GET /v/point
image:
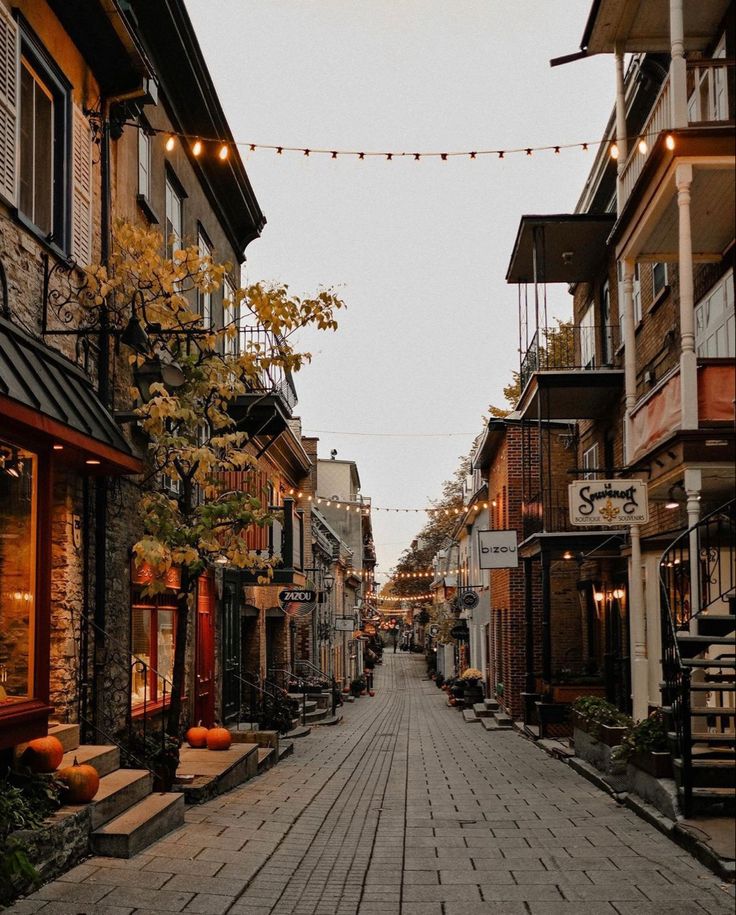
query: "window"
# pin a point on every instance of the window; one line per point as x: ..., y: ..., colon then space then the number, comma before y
x: 18, y: 498
x: 587, y: 338
x: 153, y: 628
x: 144, y: 163
x: 715, y: 327
x: 174, y: 217
x: 43, y: 141
x: 659, y: 279
x: 204, y: 299
x: 230, y: 317
x: 590, y: 462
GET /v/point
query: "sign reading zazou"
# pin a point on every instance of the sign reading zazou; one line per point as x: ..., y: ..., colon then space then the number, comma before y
x: 498, y: 549
x: 608, y: 502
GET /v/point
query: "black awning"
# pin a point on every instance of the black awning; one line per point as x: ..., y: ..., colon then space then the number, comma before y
x: 42, y: 389
x: 562, y: 248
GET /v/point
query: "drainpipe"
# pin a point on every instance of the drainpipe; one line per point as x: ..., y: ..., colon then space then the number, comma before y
x: 621, y: 134
x: 637, y: 610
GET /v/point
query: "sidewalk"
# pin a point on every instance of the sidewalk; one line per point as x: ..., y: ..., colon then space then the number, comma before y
x: 401, y: 810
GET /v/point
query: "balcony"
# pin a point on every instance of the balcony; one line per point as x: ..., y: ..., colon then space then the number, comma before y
x: 709, y: 105
x: 658, y: 416
x: 286, y: 543
x: 269, y: 403
x: 570, y: 372
x: 549, y: 512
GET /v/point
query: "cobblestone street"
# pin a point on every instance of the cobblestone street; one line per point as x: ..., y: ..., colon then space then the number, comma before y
x: 403, y: 808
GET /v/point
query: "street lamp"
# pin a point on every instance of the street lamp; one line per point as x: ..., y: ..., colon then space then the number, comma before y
x: 329, y: 581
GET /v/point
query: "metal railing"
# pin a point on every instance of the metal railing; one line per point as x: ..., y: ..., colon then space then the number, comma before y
x: 687, y: 589
x: 263, y: 703
x: 570, y: 346
x: 306, y: 669
x: 272, y: 379
x: 548, y: 511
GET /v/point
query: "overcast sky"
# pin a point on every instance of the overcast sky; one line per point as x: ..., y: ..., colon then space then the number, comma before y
x: 419, y: 250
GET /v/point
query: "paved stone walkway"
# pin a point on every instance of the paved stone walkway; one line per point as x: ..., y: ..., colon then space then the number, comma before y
x: 403, y: 809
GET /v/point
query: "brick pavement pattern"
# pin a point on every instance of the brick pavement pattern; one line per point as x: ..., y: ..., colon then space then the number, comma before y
x: 403, y: 809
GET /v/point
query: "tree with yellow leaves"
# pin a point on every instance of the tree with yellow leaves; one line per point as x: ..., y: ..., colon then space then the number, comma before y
x: 190, y: 517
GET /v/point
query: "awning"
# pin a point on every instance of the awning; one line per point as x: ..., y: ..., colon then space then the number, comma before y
x: 42, y: 390
x: 567, y: 247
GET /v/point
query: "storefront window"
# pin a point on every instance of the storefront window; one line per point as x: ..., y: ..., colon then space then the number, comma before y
x: 153, y: 621
x: 18, y: 485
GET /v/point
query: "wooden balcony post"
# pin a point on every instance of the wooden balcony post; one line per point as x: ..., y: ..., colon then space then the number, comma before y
x: 621, y: 132
x: 678, y: 66
x: 627, y: 304
x: 693, y: 484
x: 638, y: 631
x: 688, y: 360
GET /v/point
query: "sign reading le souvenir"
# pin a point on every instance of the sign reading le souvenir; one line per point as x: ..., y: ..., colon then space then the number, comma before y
x: 297, y: 601
x: 609, y: 502
x: 469, y: 600
x: 498, y: 549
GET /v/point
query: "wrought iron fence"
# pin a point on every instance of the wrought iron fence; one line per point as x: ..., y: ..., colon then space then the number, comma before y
x: 272, y: 379
x: 570, y: 346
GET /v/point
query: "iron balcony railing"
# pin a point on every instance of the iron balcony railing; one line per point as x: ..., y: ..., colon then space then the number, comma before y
x: 570, y: 346
x: 273, y: 379
x: 548, y: 511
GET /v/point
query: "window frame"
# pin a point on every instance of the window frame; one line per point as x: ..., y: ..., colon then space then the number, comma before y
x: 589, y: 471
x: 230, y: 315
x: 658, y: 291
x: 50, y: 76
x: 205, y: 248
x: 173, y: 189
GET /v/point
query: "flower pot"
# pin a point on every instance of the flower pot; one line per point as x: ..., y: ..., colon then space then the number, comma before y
x: 371, y: 692
x: 657, y: 764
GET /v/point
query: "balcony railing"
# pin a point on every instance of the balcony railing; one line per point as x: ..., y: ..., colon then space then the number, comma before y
x: 708, y: 102
x: 272, y: 379
x: 549, y: 512
x: 570, y: 346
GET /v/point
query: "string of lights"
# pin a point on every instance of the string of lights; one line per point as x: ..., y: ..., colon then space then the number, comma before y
x: 221, y: 148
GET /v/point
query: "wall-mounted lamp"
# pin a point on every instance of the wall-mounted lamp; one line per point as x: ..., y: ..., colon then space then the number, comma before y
x: 672, y: 501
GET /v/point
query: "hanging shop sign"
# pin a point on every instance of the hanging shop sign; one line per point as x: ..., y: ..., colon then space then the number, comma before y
x: 297, y: 601
x: 460, y: 632
x: 469, y: 600
x: 497, y: 549
x: 608, y: 502
x: 434, y: 631
x: 344, y: 623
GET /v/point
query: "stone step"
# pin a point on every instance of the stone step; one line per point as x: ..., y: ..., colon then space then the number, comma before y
x: 470, y: 716
x: 503, y: 720
x: 119, y: 791
x: 286, y: 748
x: 203, y: 774
x: 327, y: 722
x: 491, y: 704
x: 316, y: 715
x: 105, y: 759
x: 482, y: 710
x: 68, y: 734
x: 296, y: 732
x: 492, y: 724
x: 140, y: 826
x: 266, y: 758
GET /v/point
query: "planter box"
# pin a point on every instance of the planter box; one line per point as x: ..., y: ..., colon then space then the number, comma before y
x: 612, y: 736
x: 657, y: 764
x: 569, y: 692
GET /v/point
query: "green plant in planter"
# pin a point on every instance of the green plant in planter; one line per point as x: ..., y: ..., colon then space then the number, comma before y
x: 600, y: 713
x: 647, y: 736
x: 499, y: 689
x: 25, y: 802
x: 357, y: 686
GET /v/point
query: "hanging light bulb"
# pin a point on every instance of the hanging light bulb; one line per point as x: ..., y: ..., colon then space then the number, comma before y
x: 223, y: 153
x: 614, y: 151
x: 170, y: 143
x: 197, y: 148
x: 643, y: 146
x: 669, y: 141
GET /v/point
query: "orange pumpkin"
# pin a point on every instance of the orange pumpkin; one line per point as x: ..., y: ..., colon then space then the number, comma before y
x: 219, y: 739
x: 197, y: 737
x: 82, y: 782
x: 43, y: 754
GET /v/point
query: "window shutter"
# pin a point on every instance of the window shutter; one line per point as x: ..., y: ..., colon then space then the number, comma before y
x: 82, y: 190
x: 9, y: 64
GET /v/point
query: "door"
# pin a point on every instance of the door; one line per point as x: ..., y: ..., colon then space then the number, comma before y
x: 231, y: 660
x: 204, y: 698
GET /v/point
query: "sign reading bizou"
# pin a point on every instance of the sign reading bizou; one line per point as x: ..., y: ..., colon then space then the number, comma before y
x: 497, y: 550
x: 604, y: 502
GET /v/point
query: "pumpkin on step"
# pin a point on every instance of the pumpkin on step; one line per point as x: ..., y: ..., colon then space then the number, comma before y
x: 82, y: 782
x: 43, y: 754
x: 219, y: 739
x: 196, y: 737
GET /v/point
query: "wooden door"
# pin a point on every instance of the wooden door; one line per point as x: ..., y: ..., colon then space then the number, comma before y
x: 231, y: 657
x: 204, y: 696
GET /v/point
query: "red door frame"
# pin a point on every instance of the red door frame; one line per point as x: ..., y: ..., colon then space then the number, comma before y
x: 204, y: 668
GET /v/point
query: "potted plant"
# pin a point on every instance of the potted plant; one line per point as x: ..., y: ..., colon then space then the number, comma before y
x: 601, y: 720
x: 439, y: 681
x: 357, y: 686
x: 646, y: 746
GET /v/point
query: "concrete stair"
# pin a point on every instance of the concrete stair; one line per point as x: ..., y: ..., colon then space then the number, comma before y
x: 491, y: 704
x: 469, y: 716
x: 139, y: 826
x: 297, y: 731
x: 105, y: 759
x: 118, y: 791
x: 286, y: 748
x: 329, y: 721
x: 482, y: 710
x: 497, y: 723
x: 267, y: 758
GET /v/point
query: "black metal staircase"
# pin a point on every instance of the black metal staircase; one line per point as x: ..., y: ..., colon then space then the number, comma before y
x: 698, y: 612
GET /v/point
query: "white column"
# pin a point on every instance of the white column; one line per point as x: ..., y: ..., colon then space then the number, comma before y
x: 693, y: 484
x: 638, y: 631
x: 621, y: 131
x: 678, y: 66
x: 688, y: 359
